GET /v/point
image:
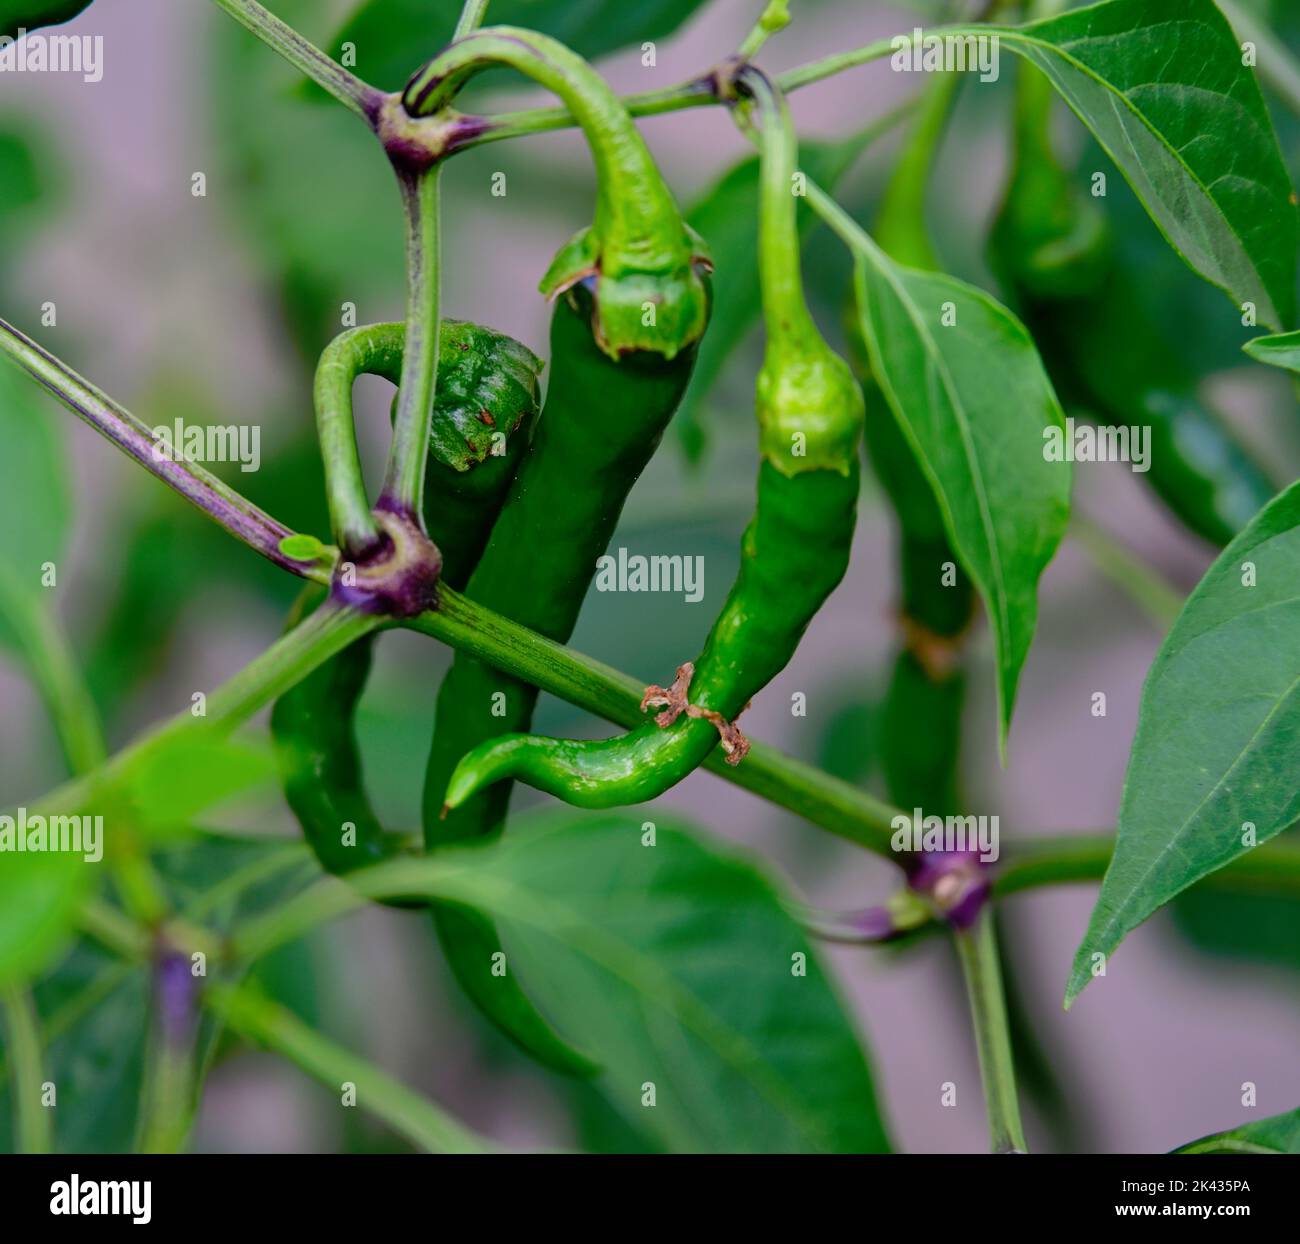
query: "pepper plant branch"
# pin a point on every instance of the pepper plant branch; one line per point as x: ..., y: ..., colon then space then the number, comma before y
x: 264, y: 1022
x: 826, y: 801
x: 347, y: 88
x: 775, y: 17
x: 23, y: 1039
x: 977, y: 952
x: 1271, y: 867
x: 471, y: 18
x: 1035, y: 862
x: 710, y: 89
x: 408, y: 455
x: 1141, y: 582
x: 55, y: 673
x: 325, y: 632
x: 214, y: 497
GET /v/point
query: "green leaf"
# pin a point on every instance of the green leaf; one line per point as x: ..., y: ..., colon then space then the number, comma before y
x: 39, y: 898
x: 1282, y: 350
x: 94, y: 1011
x: 1161, y: 86
x: 394, y: 38
x: 1216, y: 739
x: 16, y: 15
x: 673, y: 964
x: 166, y: 788
x: 726, y: 216
x: 1279, y: 1134
x: 35, y: 508
x: 975, y: 404
x: 302, y: 548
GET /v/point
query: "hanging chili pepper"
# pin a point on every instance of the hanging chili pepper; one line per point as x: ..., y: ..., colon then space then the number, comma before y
x: 631, y: 303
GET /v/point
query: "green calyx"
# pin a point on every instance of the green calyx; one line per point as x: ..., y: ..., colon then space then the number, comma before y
x: 646, y: 264
x: 810, y: 408
x: 659, y: 312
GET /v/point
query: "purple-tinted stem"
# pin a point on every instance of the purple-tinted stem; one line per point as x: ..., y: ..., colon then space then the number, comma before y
x: 176, y: 995
x: 215, y: 498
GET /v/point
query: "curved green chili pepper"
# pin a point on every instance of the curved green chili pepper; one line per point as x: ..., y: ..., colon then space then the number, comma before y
x: 794, y: 552
x: 631, y: 304
x: 487, y: 394
x: 1051, y: 247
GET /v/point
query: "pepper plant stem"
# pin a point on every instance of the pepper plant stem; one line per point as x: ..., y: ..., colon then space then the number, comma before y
x: 291, y: 658
x: 978, y: 953
x: 698, y: 93
x: 356, y: 95
x: 836, y: 806
x: 23, y: 1038
x: 1271, y: 867
x: 471, y: 18
x: 258, y: 1019
x: 213, y: 496
x: 408, y: 455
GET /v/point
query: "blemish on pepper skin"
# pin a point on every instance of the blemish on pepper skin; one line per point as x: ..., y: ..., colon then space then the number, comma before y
x: 485, y: 416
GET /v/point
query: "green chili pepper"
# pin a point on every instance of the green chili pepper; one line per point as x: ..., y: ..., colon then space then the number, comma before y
x: 794, y: 552
x: 1052, y: 249
x: 486, y: 395
x: 631, y: 304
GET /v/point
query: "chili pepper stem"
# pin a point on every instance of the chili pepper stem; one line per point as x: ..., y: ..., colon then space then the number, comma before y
x: 196, y: 484
x: 978, y: 954
x: 22, y: 1032
x: 471, y: 18
x: 354, y: 94
x: 638, y: 248
x: 403, y: 488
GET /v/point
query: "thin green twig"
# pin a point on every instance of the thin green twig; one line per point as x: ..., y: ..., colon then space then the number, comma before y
x: 1141, y: 582
x: 775, y: 17
x: 408, y: 454
x: 427, y: 1126
x: 354, y: 94
x: 35, y: 1134
x: 978, y: 953
x: 471, y: 18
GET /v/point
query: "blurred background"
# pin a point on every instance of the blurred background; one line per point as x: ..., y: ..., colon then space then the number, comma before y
x: 214, y: 309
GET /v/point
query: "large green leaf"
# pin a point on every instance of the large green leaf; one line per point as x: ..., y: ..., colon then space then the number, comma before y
x: 674, y: 964
x: 1279, y: 1134
x: 16, y: 15
x: 1161, y: 85
x: 966, y: 384
x: 1218, y: 733
x: 394, y: 38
